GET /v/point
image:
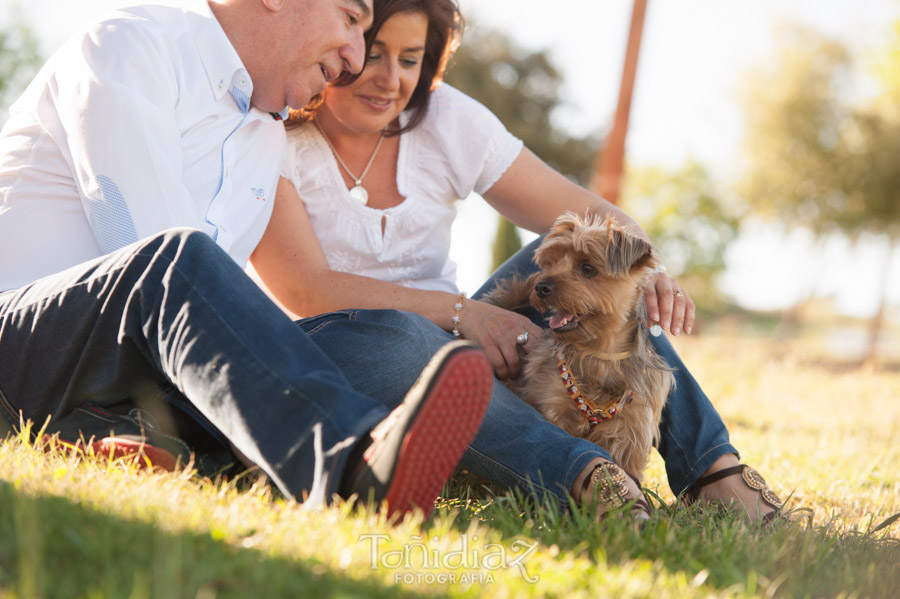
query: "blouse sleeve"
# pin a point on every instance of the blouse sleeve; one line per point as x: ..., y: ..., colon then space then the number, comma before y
x: 477, y: 147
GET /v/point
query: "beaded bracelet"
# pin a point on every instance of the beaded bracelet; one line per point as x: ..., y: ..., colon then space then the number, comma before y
x: 455, y: 318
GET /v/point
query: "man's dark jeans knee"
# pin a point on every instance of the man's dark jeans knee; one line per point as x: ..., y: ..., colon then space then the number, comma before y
x: 174, y: 308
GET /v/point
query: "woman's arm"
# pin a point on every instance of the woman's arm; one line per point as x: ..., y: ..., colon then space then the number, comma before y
x: 532, y: 195
x: 291, y: 263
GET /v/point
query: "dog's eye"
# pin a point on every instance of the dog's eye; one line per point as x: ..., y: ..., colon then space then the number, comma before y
x: 588, y: 270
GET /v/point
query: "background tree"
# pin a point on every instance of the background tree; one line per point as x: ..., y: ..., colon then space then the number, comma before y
x: 506, y: 243
x: 19, y: 59
x: 690, y: 220
x: 681, y: 210
x: 522, y: 89
x: 816, y: 157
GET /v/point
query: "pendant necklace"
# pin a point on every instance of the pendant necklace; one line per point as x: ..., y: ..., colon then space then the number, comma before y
x: 357, y: 192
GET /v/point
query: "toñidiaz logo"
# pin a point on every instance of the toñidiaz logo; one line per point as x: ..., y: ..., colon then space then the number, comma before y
x: 435, y: 562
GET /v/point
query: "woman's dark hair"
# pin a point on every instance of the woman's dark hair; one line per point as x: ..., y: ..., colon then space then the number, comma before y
x: 445, y: 27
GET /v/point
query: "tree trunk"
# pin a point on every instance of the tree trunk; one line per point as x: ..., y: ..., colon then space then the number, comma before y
x: 506, y: 243
x: 610, y: 161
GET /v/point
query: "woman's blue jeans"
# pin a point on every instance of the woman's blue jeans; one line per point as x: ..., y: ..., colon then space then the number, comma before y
x: 175, y: 309
x: 381, y: 353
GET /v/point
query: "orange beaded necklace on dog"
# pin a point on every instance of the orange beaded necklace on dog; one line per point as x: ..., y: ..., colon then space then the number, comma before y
x: 585, y: 405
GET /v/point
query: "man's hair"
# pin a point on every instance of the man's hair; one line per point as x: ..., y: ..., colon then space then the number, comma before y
x: 445, y: 26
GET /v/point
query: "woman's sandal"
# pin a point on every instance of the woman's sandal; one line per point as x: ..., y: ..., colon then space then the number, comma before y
x: 606, y: 487
x: 751, y: 478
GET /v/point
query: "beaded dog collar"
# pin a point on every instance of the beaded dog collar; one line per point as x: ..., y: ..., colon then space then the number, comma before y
x: 586, y: 406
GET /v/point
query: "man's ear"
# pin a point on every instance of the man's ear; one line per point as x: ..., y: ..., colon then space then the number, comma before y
x: 274, y: 5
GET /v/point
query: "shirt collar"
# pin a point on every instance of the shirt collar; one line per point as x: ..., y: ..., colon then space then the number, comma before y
x: 224, y: 68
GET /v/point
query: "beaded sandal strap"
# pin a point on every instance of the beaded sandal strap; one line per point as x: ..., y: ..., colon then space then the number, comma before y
x: 606, y: 484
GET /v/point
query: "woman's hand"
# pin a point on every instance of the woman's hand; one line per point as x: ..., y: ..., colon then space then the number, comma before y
x: 669, y: 304
x: 497, y: 330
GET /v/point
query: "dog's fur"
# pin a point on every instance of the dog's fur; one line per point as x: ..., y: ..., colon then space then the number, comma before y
x: 590, y: 279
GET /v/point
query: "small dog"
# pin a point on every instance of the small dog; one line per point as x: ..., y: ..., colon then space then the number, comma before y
x: 595, y: 375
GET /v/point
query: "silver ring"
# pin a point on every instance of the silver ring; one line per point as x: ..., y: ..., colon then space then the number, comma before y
x: 522, y: 339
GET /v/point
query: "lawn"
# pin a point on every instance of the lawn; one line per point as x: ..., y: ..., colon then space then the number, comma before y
x: 820, y: 430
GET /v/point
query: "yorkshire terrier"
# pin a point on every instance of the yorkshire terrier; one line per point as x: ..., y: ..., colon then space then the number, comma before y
x: 596, y: 374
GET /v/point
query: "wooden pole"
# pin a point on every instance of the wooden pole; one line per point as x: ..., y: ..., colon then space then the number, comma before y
x: 608, y: 168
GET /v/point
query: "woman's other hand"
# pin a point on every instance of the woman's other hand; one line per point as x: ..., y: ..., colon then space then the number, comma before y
x: 669, y: 304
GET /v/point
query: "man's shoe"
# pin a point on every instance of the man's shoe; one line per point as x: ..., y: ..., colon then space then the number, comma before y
x: 122, y: 432
x: 415, y: 449
x: 130, y: 448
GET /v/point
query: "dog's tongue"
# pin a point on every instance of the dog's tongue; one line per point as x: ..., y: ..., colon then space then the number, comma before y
x: 558, y: 320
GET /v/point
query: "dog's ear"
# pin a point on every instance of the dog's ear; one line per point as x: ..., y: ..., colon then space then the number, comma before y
x: 626, y: 252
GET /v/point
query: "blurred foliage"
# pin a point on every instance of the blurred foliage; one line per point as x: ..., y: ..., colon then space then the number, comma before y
x: 816, y: 158
x: 690, y: 220
x: 681, y: 210
x: 522, y: 89
x: 19, y: 58
x: 887, y: 71
x: 506, y: 243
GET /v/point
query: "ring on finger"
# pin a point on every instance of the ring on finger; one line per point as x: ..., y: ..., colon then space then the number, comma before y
x: 678, y: 293
x: 522, y: 339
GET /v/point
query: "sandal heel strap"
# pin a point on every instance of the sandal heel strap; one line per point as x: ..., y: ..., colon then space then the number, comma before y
x: 711, y: 478
x: 750, y: 477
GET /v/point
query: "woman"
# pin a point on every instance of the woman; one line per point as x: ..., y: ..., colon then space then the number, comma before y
x: 362, y: 220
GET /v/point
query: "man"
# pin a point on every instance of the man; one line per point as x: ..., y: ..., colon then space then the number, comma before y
x: 137, y: 173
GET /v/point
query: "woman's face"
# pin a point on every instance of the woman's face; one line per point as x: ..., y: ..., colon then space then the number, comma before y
x: 390, y: 76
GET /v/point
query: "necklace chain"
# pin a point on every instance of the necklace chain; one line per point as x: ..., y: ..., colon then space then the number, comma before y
x: 357, y: 180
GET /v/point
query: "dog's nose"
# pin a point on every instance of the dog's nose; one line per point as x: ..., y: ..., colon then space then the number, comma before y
x: 543, y: 288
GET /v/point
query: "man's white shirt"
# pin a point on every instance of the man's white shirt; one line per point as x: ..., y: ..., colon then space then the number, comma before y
x: 137, y: 124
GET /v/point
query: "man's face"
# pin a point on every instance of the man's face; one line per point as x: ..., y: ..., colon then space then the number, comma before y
x: 313, y: 42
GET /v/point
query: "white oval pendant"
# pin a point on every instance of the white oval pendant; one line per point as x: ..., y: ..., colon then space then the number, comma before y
x: 360, y: 194
x: 656, y: 330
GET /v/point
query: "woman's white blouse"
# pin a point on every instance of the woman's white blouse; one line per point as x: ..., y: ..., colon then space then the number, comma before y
x: 459, y: 147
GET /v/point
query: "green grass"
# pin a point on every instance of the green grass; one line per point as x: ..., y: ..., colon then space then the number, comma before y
x: 821, y: 431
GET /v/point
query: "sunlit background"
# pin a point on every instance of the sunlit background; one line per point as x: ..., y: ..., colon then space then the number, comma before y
x: 695, y: 82
x: 694, y: 56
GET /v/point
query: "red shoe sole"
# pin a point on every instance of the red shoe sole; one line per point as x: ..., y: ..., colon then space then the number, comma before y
x: 115, y: 448
x: 447, y: 423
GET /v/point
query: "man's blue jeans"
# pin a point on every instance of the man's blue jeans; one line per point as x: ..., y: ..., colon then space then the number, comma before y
x: 176, y: 309
x: 381, y: 353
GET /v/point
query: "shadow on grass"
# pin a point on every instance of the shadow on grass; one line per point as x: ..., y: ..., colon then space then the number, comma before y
x: 53, y: 548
